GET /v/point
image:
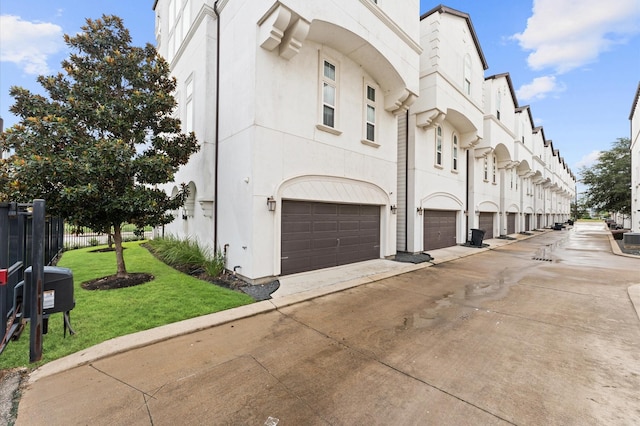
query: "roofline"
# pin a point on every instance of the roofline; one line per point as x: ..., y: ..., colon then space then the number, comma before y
x: 444, y: 9
x: 635, y: 102
x: 509, y: 82
x: 528, y: 108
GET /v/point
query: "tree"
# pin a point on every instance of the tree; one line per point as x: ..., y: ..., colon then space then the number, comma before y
x: 608, y: 181
x: 97, y: 147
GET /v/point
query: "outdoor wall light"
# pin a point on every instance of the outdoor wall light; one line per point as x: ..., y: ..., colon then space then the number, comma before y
x: 271, y: 204
x: 394, y: 209
x: 420, y: 210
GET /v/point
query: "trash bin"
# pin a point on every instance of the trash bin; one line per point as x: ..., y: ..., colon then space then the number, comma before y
x: 476, y: 237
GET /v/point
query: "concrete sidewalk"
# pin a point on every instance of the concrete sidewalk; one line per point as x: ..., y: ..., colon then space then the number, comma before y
x: 293, y: 290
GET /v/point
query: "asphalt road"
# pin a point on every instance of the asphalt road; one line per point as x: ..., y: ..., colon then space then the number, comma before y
x: 539, y: 332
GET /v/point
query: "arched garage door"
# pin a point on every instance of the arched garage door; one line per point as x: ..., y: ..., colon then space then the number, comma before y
x: 439, y: 229
x: 321, y: 235
x: 486, y: 224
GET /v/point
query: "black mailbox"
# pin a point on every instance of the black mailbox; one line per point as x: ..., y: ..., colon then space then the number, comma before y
x: 57, y: 290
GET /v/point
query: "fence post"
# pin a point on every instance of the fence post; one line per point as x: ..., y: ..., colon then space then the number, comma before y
x: 37, y: 279
x: 4, y: 264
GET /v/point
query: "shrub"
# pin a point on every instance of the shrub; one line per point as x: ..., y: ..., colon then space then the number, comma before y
x: 188, y: 254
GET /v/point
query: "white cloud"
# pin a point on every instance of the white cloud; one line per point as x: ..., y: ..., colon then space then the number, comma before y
x: 29, y: 44
x: 588, y: 160
x: 539, y: 88
x: 567, y: 34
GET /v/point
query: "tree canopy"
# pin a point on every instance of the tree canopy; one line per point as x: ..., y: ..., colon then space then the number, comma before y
x: 96, y: 147
x: 608, y: 181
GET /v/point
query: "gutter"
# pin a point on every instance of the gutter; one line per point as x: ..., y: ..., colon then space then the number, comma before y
x: 216, y: 134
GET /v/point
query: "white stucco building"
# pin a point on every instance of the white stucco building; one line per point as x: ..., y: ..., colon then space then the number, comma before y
x: 634, y: 117
x: 339, y: 131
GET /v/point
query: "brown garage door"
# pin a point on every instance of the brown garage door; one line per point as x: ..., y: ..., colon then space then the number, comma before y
x: 486, y: 224
x: 511, y: 223
x: 321, y: 235
x: 439, y: 229
x: 527, y: 222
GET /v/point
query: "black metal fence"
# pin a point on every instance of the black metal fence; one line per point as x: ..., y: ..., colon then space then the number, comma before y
x: 17, y: 254
x: 75, y: 238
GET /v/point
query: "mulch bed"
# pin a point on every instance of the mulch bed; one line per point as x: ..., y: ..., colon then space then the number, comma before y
x: 113, y: 281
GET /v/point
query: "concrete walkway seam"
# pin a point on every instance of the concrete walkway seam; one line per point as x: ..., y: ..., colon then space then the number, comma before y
x: 155, y: 335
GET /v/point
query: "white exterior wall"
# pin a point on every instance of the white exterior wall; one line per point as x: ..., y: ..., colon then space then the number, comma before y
x: 271, y: 142
x: 634, y: 117
x: 444, y: 102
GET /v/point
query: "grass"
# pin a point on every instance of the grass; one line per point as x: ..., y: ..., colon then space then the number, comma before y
x: 100, y: 315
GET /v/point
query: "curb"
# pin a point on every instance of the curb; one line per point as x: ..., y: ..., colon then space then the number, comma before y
x: 151, y: 336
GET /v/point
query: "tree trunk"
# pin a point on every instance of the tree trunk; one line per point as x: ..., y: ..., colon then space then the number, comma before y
x: 117, y: 239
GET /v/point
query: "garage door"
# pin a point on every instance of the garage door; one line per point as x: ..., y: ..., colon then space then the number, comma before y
x: 527, y: 222
x: 511, y: 223
x: 439, y: 229
x: 486, y: 224
x: 321, y: 235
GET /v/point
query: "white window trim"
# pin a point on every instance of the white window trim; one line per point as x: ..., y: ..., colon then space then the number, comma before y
x: 455, y: 154
x: 189, y: 101
x: 494, y: 170
x: 365, y: 118
x: 321, y: 80
x: 438, y: 141
x: 485, y: 170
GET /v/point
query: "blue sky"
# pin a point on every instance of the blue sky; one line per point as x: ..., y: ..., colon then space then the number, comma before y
x: 575, y: 62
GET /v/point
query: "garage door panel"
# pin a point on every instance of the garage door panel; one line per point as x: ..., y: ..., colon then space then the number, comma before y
x: 511, y: 223
x: 335, y: 234
x: 322, y: 243
x: 486, y: 224
x: 439, y: 229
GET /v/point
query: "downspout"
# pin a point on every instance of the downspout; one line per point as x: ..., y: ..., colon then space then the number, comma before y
x: 216, y: 134
x: 466, y: 206
x: 406, y: 182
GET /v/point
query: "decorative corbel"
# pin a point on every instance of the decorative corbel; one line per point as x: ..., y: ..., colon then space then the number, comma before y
x: 293, y: 38
x: 399, y: 101
x: 273, y: 25
x: 482, y: 152
x: 283, y: 28
x: 431, y: 118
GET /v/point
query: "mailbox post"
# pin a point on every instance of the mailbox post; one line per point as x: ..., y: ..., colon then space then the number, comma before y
x: 37, y: 277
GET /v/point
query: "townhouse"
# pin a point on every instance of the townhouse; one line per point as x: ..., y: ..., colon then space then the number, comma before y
x: 634, y: 117
x: 336, y: 132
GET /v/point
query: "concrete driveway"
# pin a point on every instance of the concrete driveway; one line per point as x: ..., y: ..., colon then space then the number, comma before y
x: 542, y: 331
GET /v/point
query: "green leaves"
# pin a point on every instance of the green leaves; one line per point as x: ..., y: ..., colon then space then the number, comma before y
x: 608, y: 181
x: 104, y: 135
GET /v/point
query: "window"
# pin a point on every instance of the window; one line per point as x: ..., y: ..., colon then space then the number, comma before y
x: 439, y: 146
x: 179, y: 22
x: 454, y: 154
x: 188, y: 122
x: 370, y: 113
x: 498, y: 104
x: 495, y: 168
x: 511, y: 175
x: 486, y: 169
x: 329, y: 94
x: 467, y: 74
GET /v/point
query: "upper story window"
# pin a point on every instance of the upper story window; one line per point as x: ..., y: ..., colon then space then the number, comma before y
x: 454, y: 154
x: 439, y: 146
x: 467, y: 74
x: 188, y: 122
x: 179, y: 20
x: 486, y: 169
x: 494, y: 169
x: 498, y: 104
x: 370, y: 113
x: 329, y: 93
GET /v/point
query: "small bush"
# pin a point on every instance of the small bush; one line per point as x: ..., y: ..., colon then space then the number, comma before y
x: 188, y: 254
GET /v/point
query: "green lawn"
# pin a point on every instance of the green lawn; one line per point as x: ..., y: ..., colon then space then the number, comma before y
x: 100, y: 315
